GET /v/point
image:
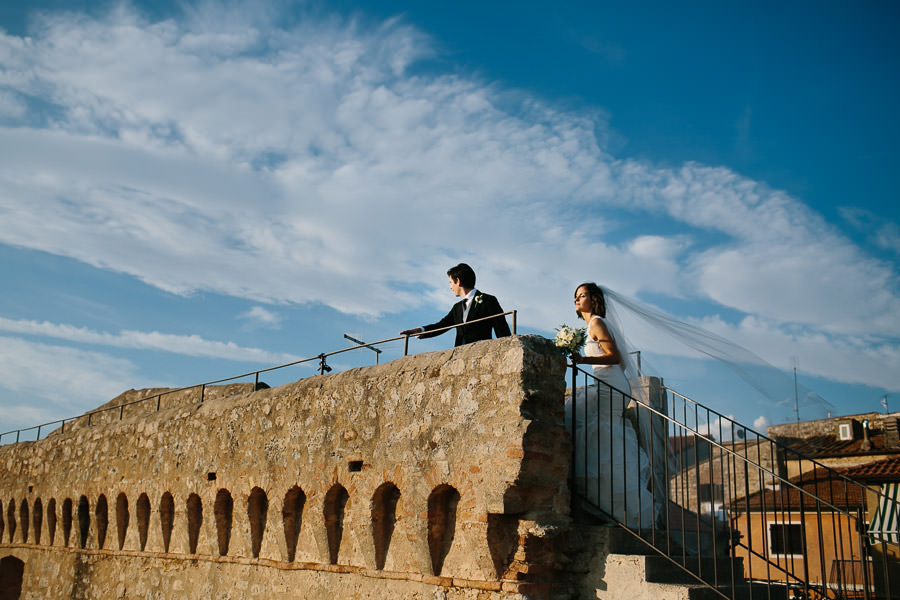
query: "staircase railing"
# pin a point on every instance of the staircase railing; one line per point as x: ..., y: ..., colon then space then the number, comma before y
x: 745, y: 515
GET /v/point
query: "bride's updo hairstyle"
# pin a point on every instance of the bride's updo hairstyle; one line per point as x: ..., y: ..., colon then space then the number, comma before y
x: 598, y: 302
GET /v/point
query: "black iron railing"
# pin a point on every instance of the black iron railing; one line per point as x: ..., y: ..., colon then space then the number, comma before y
x: 155, y: 400
x: 743, y: 514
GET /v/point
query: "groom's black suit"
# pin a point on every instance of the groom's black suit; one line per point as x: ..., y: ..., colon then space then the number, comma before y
x: 483, y: 305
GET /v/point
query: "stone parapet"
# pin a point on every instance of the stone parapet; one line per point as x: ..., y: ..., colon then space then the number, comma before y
x: 440, y: 473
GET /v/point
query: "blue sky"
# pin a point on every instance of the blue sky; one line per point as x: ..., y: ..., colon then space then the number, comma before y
x: 194, y: 190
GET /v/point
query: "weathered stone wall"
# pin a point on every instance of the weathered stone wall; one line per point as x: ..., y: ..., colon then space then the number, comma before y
x: 829, y: 426
x: 436, y: 475
x: 725, y: 473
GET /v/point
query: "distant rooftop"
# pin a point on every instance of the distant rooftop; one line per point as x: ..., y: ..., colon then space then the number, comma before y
x: 824, y: 483
x: 880, y: 471
x: 866, y: 434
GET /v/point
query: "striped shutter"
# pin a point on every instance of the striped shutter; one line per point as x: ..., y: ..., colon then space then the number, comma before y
x: 885, y: 525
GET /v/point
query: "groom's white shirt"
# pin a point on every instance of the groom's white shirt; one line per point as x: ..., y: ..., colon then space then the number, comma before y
x: 468, y: 301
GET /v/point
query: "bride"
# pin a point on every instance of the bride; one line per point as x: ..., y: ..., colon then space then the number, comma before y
x: 612, y: 471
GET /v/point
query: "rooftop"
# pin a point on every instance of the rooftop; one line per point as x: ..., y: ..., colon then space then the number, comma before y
x: 880, y: 471
x: 835, y: 493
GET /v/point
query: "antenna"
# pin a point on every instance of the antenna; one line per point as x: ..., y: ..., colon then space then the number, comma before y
x: 796, y: 361
x: 362, y: 343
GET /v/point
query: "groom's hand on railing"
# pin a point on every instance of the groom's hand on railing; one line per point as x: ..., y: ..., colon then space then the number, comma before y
x: 412, y: 331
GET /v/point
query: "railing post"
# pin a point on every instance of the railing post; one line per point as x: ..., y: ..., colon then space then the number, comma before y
x: 38, y: 433
x: 406, y: 345
x: 514, y: 322
x: 863, y: 551
x: 572, y: 478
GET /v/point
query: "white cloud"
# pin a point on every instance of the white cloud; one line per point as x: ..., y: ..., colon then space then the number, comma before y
x: 761, y: 424
x: 72, y: 380
x: 10, y: 106
x: 884, y: 234
x: 222, y: 153
x: 780, y: 258
x: 191, y: 345
x: 887, y: 236
x: 719, y: 428
x: 263, y: 316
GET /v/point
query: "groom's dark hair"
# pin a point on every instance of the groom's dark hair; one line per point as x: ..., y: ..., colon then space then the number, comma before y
x: 464, y: 273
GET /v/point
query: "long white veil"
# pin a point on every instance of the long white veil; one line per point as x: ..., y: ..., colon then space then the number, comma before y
x: 771, y: 382
x: 614, y: 326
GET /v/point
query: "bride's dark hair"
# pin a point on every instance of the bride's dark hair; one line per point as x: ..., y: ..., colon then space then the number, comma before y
x: 598, y: 301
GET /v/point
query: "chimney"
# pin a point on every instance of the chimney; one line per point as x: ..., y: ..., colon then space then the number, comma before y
x: 891, y: 433
x: 866, y: 444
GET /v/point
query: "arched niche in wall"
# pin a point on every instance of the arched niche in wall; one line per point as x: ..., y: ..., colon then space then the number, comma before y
x: 23, y: 519
x: 335, y: 503
x: 442, y: 505
x: 195, y: 519
x: 166, y: 518
x: 122, y: 518
x: 37, y: 519
x: 101, y: 513
x: 67, y: 521
x: 257, y: 509
x: 84, y: 521
x: 292, y: 518
x: 51, y: 521
x: 142, y: 508
x: 384, y: 516
x: 11, y: 571
x: 223, y: 511
x: 11, y: 519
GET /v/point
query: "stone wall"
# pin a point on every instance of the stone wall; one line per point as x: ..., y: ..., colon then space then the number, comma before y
x: 435, y: 475
x: 829, y: 427
x: 724, y: 473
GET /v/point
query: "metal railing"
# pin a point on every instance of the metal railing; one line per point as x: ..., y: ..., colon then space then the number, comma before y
x: 744, y: 515
x: 323, y: 368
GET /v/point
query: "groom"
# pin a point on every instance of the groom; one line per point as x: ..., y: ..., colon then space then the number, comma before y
x: 474, y: 305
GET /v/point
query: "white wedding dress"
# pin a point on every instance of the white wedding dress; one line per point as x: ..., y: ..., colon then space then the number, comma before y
x: 612, y: 471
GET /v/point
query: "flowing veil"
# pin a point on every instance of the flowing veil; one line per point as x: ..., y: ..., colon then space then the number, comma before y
x: 771, y: 382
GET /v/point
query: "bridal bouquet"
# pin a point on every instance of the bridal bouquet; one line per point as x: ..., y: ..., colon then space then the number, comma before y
x: 570, y: 339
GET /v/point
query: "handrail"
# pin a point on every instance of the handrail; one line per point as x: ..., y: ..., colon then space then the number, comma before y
x: 323, y: 368
x: 692, y: 532
x: 781, y: 446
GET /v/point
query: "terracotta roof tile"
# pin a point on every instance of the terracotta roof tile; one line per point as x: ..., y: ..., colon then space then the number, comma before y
x: 829, y: 446
x: 878, y: 471
x: 829, y: 486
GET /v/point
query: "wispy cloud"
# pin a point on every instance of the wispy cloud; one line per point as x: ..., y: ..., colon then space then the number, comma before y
x: 73, y: 380
x: 884, y: 234
x: 191, y: 345
x: 306, y: 164
x: 262, y: 316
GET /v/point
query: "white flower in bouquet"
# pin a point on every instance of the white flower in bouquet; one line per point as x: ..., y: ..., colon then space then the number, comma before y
x: 570, y: 339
